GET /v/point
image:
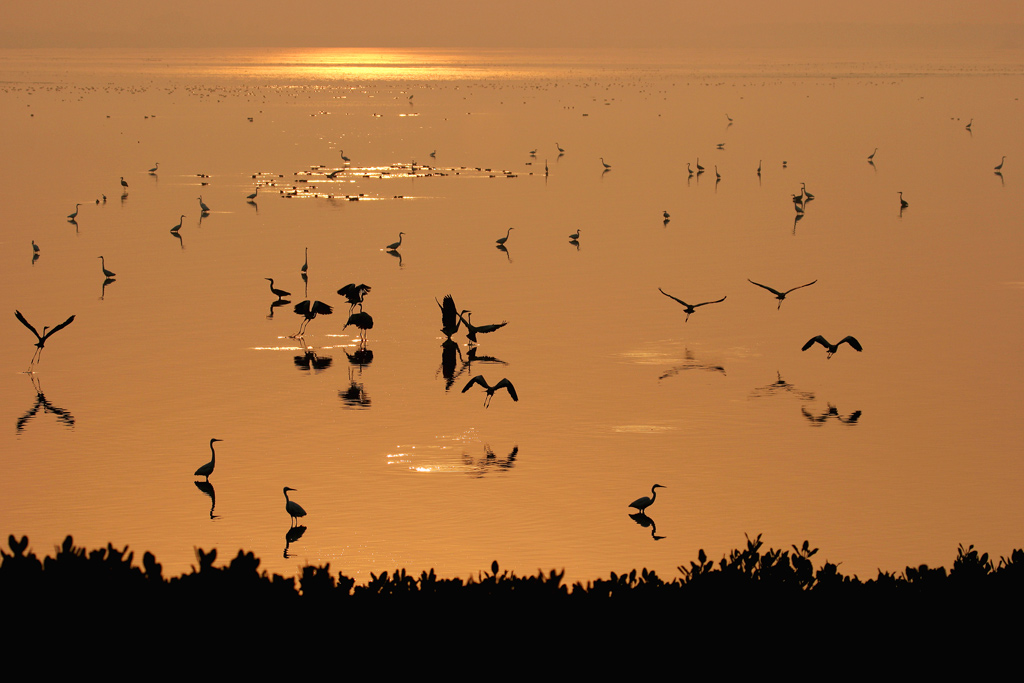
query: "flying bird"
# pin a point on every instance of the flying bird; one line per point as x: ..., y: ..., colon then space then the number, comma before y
x: 832, y: 348
x: 207, y: 469
x: 779, y: 295
x: 450, y: 318
x: 689, y: 308
x: 645, y: 502
x: 41, y: 339
x: 472, y: 330
x: 355, y: 294
x: 502, y: 384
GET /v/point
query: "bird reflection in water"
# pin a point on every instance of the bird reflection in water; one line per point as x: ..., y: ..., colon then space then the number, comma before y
x: 41, y: 403
x: 690, y: 363
x: 473, y: 356
x: 645, y: 521
x: 103, y: 288
x: 831, y: 413
x: 355, y: 396
x: 781, y: 386
x: 478, y: 468
x: 311, y: 361
x: 207, y: 488
x: 451, y: 354
x: 275, y: 304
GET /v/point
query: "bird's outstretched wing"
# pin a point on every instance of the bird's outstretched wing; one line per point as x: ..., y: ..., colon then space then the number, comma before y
x: 773, y: 291
x: 852, y: 341
x: 710, y: 302
x: 673, y: 298
x: 303, y: 307
x: 19, y: 316
x: 508, y: 385
x: 819, y: 339
x: 320, y: 308
x: 479, y: 379
x: 795, y: 288
x: 448, y: 312
x: 72, y: 318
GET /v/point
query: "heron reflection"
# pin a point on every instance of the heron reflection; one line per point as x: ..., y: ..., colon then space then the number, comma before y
x: 690, y: 363
x: 831, y: 413
x: 207, y: 488
x: 781, y: 386
x: 310, y: 361
x: 44, y: 405
x: 491, y: 462
x: 643, y: 520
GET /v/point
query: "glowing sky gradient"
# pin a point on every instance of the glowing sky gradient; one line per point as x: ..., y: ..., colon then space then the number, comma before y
x: 522, y: 23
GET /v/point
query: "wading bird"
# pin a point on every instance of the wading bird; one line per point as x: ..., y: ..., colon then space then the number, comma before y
x: 903, y: 202
x: 310, y: 310
x: 35, y: 247
x: 607, y: 167
x: 832, y: 348
x: 664, y: 214
x: 700, y: 169
x: 293, y: 509
x: 207, y: 469
x: 803, y: 189
x: 560, y: 150
x: 472, y: 330
x: 501, y: 241
x: 871, y: 156
x: 177, y: 227
x: 305, y: 263
x: 645, y: 502
x: 72, y: 216
x: 362, y: 321
x: 252, y: 198
x: 354, y: 294
x: 395, y: 245
x: 343, y: 157
x: 203, y: 207
x: 968, y: 126
x: 279, y: 293
x: 155, y: 167
x: 779, y: 295
x: 1000, y: 166
x: 103, y: 266
x: 41, y: 339
x: 576, y: 235
x: 689, y: 309
x: 502, y: 384
x: 450, y: 318
x: 124, y: 184
x: 758, y: 167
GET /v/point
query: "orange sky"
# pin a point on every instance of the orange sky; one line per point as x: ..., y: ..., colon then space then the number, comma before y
x: 519, y: 23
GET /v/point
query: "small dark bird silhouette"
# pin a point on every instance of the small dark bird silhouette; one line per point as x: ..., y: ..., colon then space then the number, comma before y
x: 123, y: 183
x: 354, y: 293
x: 903, y: 202
x: 502, y: 384
x: 689, y: 309
x: 311, y: 310
x: 41, y: 339
x: 293, y: 509
x: 832, y: 348
x: 645, y: 502
x: 779, y: 295
x: 207, y: 469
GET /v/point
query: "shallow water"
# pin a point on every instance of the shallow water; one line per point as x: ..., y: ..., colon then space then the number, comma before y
x: 616, y: 391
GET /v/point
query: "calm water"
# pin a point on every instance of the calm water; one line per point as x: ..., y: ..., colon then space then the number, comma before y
x: 889, y: 457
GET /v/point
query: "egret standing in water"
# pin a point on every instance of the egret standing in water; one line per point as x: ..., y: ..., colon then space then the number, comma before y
x: 501, y: 241
x: 395, y: 245
x: 203, y: 206
x: 1000, y: 166
x: 280, y: 293
x: 252, y: 198
x: 502, y: 384
x: 305, y: 263
x: 607, y: 167
x: 124, y: 184
x: 207, y: 469
x: 645, y: 502
x: 41, y: 338
x: 152, y: 171
x: 903, y: 202
x: 362, y: 321
x: 871, y: 157
x: 72, y: 216
x: 177, y: 227
x: 293, y: 509
x: 103, y: 266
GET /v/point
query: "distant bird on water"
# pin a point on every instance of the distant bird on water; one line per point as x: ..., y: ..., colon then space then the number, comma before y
x: 968, y: 126
x: 450, y: 318
x: 560, y: 150
x: 607, y: 167
x: 832, y: 348
x: 395, y: 245
x: 305, y: 263
x: 803, y: 189
x: 103, y: 266
x: 279, y: 293
x: 123, y: 183
x: 155, y: 167
x: 502, y: 384
x: 35, y: 247
x: 903, y: 202
x: 645, y: 502
x: 73, y: 215
x: 252, y: 198
x: 779, y: 295
x: 41, y: 338
x: 689, y: 308
x: 202, y: 205
x: 501, y: 241
x: 207, y: 469
x: 293, y: 509
x: 871, y: 156
x: 177, y: 227
x: 1000, y: 166
x: 576, y: 235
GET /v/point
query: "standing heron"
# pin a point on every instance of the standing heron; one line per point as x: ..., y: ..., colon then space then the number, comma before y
x: 806, y: 194
x: 903, y: 202
x: 560, y: 150
x: 73, y: 215
x: 41, y: 338
x: 968, y: 126
x: 607, y: 166
x: 779, y: 295
x: 689, y: 308
x: 450, y: 318
x: 152, y: 171
x: 203, y: 207
x: 689, y: 170
x: 665, y: 215
x: 1000, y: 166
x: 207, y: 469
x: 576, y: 235
x: 354, y: 294
x: 395, y: 245
x: 124, y: 184
x: 502, y: 384
x: 700, y: 169
x: 177, y: 227
x: 645, y: 502
x: 280, y: 293
x: 310, y: 310
x: 305, y: 264
x: 293, y: 509
x: 871, y: 157
x: 501, y: 241
x: 758, y: 167
x: 362, y: 321
x: 35, y: 247
x: 252, y: 198
x: 472, y: 330
x: 832, y: 348
x: 103, y: 266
